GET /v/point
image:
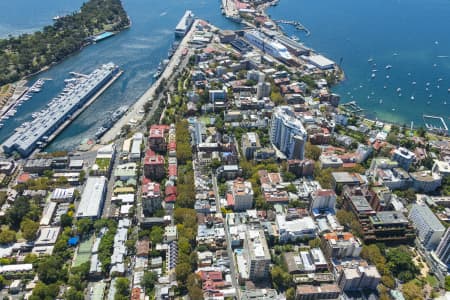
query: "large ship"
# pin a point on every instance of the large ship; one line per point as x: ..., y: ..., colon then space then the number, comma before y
x: 78, y: 94
x: 185, y: 24
x: 267, y: 44
x: 110, y: 121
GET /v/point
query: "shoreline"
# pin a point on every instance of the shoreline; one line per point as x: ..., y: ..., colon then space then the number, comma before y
x: 263, y: 9
x: 134, y: 112
x: 79, y: 112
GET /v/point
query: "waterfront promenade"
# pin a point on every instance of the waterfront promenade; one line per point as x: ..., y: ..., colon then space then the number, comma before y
x: 135, y: 112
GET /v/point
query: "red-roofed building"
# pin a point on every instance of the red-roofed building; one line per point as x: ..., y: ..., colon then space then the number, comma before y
x: 24, y: 177
x: 323, y: 200
x: 154, y: 165
x: 136, y: 293
x: 301, y: 167
x: 172, y: 170
x: 151, y: 195
x: 157, y: 137
x: 171, y: 193
x: 230, y: 200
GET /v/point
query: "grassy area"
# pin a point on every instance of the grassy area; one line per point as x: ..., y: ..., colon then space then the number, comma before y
x: 103, y: 163
x: 84, y: 252
x: 4, y: 88
x: 432, y: 280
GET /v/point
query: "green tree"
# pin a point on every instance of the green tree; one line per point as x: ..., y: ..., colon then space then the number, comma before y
x: 29, y: 229
x: 44, y: 292
x: 156, y: 235
x: 312, y: 151
x: 290, y: 294
x: 7, y: 236
x: 447, y: 283
x: 280, y: 279
x: 66, y: 220
x: 31, y: 258
x: 194, y: 288
x: 291, y: 188
x: 16, y: 213
x: 49, y: 269
x: 73, y: 294
x: 84, y: 226
x: 122, y: 287
x: 149, y: 280
x: 2, y: 281
x: 315, y: 243
x: 412, y: 291
x: 401, y: 264
x: 182, y: 271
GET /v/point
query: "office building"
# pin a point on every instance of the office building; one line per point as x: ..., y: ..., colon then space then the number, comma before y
x: 341, y: 245
x: 316, y: 292
x: 157, y: 138
x: 390, y: 228
x: 443, y: 249
x: 404, y: 157
x: 154, y: 165
x: 93, y: 198
x: 151, y: 196
x: 250, y: 143
x: 257, y: 254
x: 262, y: 90
x: 429, y: 228
x: 242, y: 195
x: 359, y: 278
x: 323, y: 200
x: 287, y: 133
x: 297, y: 229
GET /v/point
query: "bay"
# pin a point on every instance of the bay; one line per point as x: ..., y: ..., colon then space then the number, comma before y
x: 411, y: 36
x: 137, y: 51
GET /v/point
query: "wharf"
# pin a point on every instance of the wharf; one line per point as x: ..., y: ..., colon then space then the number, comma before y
x: 439, y: 129
x: 352, y: 107
x: 299, y: 26
x: 135, y: 111
x: 79, y: 111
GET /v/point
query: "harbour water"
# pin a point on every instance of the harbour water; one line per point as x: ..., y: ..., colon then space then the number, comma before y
x: 411, y: 36
x: 352, y: 30
x: 137, y: 51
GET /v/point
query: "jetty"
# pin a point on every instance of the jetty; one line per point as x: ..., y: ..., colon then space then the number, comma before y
x: 442, y: 128
x: 352, y: 107
x: 299, y: 26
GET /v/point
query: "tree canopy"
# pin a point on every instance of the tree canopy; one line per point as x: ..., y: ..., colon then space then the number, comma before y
x: 28, y: 53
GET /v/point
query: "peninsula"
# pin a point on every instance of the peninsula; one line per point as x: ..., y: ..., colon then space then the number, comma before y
x: 30, y: 53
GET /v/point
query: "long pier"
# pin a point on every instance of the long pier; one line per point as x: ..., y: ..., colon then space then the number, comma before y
x: 299, y: 26
x: 78, y: 112
x: 437, y: 129
x: 352, y: 107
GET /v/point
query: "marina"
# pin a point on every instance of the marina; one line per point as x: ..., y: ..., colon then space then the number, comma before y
x: 435, y: 124
x: 299, y: 26
x: 61, y: 111
x: 25, y: 94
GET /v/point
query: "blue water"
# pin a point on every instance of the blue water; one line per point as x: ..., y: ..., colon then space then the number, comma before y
x: 356, y: 30
x: 137, y: 51
x: 352, y: 30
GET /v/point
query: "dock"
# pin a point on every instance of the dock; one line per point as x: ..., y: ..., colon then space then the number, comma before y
x: 79, y: 111
x: 299, y: 26
x: 78, y: 74
x: 442, y: 128
x: 352, y: 107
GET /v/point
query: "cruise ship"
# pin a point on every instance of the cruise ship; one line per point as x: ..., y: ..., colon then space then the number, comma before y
x: 267, y: 45
x: 61, y: 110
x: 185, y: 24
